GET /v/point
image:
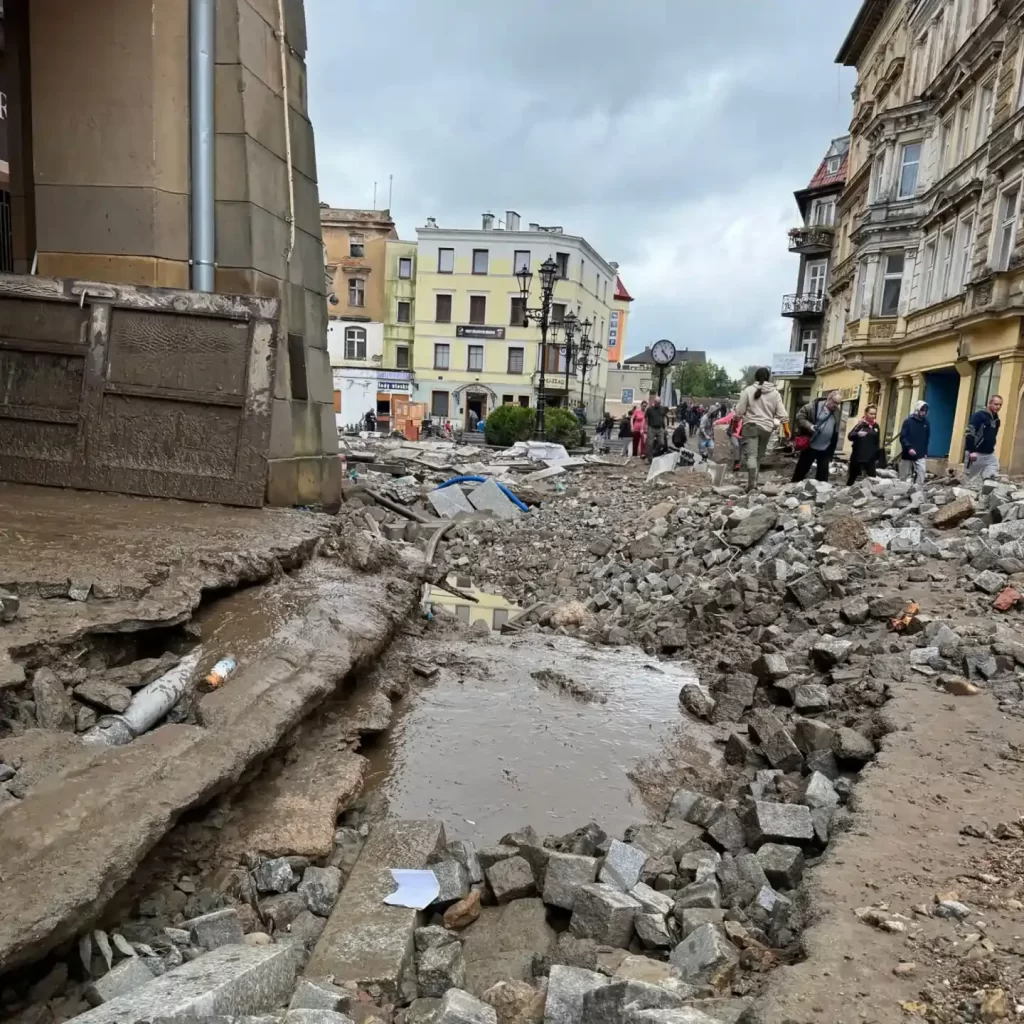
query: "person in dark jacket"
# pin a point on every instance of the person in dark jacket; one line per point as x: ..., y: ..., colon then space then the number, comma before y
x: 980, y: 443
x: 626, y: 431
x: 915, y: 435
x: 867, y: 445
x: 818, y: 421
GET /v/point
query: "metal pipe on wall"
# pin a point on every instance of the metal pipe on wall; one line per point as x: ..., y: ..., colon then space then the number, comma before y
x: 282, y: 45
x: 201, y: 69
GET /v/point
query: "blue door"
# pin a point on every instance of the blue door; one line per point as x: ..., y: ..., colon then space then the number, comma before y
x: 940, y: 391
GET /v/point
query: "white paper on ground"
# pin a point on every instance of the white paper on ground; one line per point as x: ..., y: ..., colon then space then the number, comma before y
x: 416, y: 889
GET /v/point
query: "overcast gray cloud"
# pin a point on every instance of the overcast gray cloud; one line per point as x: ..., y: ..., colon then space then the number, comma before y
x: 670, y: 133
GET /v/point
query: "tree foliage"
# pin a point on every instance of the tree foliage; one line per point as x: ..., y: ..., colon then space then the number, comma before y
x: 561, y: 426
x: 704, y: 380
x: 747, y: 375
x: 510, y: 423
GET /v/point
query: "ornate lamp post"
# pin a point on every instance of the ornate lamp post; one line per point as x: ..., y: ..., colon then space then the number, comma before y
x: 570, y: 325
x: 584, y: 349
x: 540, y: 315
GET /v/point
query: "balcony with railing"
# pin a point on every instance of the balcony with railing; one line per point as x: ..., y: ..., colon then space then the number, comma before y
x: 811, y: 241
x: 804, y: 304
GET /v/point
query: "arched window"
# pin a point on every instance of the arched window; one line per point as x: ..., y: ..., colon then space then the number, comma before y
x: 355, y: 343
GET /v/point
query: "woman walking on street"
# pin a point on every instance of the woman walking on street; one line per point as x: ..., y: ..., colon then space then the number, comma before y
x: 818, y: 423
x: 639, y: 425
x: 867, y: 446
x: 759, y: 407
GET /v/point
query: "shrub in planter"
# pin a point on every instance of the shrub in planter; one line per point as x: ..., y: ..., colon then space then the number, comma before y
x: 562, y: 427
x: 510, y: 423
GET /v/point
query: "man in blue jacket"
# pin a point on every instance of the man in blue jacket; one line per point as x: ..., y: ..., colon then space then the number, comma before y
x: 980, y: 443
x: 915, y: 434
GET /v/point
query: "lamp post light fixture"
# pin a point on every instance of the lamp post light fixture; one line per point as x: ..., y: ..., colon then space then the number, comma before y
x: 540, y: 315
x: 584, y: 348
x: 570, y: 324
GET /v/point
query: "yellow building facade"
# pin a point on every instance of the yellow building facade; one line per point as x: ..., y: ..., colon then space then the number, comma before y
x: 471, y: 350
x: 927, y: 288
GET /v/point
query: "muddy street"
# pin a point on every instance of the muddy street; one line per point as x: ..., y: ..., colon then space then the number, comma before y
x: 650, y: 747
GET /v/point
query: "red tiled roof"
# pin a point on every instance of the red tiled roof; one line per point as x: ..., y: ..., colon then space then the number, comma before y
x: 822, y: 177
x: 620, y: 291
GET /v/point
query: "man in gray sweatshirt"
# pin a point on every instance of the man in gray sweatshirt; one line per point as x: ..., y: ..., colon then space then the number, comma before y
x: 760, y: 406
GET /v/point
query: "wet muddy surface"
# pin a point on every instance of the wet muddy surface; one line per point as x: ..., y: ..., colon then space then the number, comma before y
x: 488, y: 747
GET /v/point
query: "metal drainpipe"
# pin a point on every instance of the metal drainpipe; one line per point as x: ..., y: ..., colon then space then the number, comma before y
x: 201, y: 17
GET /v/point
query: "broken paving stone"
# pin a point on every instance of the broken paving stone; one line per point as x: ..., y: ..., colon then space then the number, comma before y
x: 452, y: 882
x: 105, y: 696
x: 783, y: 865
x: 782, y: 751
x: 651, y: 901
x: 464, y: 913
x: 125, y: 977
x: 851, y: 747
x: 733, y: 696
x: 811, y: 698
x: 699, y: 865
x: 653, y: 931
x: 739, y: 751
x: 516, y: 1002
x: 697, y: 701
x: 432, y: 935
x: 604, y: 914
x: 854, y: 610
x: 619, y: 1000
x: 770, y: 667
x: 439, y: 968
x: 511, y: 879
x: 954, y: 513
x: 54, y: 709
x: 465, y: 853
x: 750, y: 530
x: 458, y: 1007
x: 319, y: 888
x: 695, y: 808
x: 727, y: 832
x: 220, y: 928
x: 990, y: 582
x: 778, y: 823
x: 808, y: 591
x: 566, y: 873
x: 829, y: 651
x: 702, y: 953
x: 623, y: 865
x: 305, y: 928
x: 275, y: 875
x: 567, y: 987
x: 819, y: 791
x: 282, y: 909
x: 319, y: 995
x: 704, y: 894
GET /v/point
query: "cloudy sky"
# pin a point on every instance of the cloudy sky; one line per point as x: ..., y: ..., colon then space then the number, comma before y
x: 670, y: 133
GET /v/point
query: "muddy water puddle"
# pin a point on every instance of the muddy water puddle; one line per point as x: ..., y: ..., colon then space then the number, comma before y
x: 489, y: 747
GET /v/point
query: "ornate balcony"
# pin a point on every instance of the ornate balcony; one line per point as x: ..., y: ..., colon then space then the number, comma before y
x: 806, y: 304
x: 812, y: 241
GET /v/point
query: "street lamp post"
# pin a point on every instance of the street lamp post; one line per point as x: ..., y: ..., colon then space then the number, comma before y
x: 583, y: 350
x: 540, y: 315
x: 570, y: 325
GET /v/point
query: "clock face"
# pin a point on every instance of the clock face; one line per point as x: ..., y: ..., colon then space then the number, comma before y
x: 663, y: 352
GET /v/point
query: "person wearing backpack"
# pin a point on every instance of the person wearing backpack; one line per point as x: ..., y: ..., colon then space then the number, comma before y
x: 760, y: 406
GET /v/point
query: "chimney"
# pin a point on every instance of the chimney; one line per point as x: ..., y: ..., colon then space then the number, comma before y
x: 534, y: 226
x: 614, y: 266
x: 511, y: 220
x: 488, y: 221
x: 431, y: 222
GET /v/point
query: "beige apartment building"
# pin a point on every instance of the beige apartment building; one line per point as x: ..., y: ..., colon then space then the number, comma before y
x: 165, y: 309
x: 926, y: 298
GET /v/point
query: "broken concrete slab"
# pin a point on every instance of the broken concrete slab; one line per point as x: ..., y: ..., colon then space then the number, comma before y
x: 123, y: 978
x: 489, y: 497
x: 230, y: 980
x: 502, y: 942
x: 662, y: 464
x: 219, y: 928
x: 365, y: 940
x: 450, y: 502
x: 458, y: 1007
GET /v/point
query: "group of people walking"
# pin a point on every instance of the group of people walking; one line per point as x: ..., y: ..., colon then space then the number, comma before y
x: 642, y: 430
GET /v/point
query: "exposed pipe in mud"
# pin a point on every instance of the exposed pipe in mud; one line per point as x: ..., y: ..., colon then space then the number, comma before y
x: 201, y: 71
x: 393, y: 506
x: 148, y: 706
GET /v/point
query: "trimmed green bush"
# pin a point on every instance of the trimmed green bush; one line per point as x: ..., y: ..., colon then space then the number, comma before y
x: 510, y: 423
x: 562, y: 427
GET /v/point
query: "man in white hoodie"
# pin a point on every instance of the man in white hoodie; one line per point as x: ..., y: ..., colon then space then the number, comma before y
x: 760, y: 407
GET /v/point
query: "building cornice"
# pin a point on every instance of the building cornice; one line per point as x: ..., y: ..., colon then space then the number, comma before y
x: 870, y: 16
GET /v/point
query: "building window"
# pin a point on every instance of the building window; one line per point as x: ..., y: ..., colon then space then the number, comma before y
x: 441, y: 354
x: 1006, y: 228
x: 562, y: 260
x: 515, y: 360
x: 892, y: 283
x: 963, y: 142
x: 833, y: 164
x: 439, y: 404
x: 945, y: 264
x: 583, y: 269
x: 984, y: 114
x: 402, y: 357
x: 878, y: 178
x: 480, y: 261
x: 404, y: 312
x: 909, y: 164
x: 814, y: 278
x: 356, y: 247
x: 964, y: 242
x: 986, y: 383
x: 823, y: 212
x: 508, y: 399
x: 517, y: 312
x: 946, y: 145
x: 475, y: 362
x: 356, y: 291
x: 627, y: 396
x: 809, y: 344
x: 557, y: 312
x: 405, y: 267
x: 442, y: 309
x: 446, y: 261
x: 524, y: 401
x: 928, y: 262
x: 355, y: 343
x: 478, y: 309
x: 862, y: 280
x: 520, y: 260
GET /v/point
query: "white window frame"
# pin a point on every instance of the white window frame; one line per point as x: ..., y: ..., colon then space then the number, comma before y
x: 862, y: 279
x: 1020, y: 79
x: 471, y: 351
x: 929, y: 251
x: 1007, y: 219
x: 921, y: 62
x: 963, y: 135
x: 964, y: 244
x: 878, y: 178
x: 356, y: 292
x: 944, y: 263
x: 833, y: 165
x: 904, y: 164
x: 442, y: 348
x: 356, y: 338
x: 984, y: 112
x: 442, y: 252
x: 809, y: 346
x: 812, y: 275
x: 888, y: 276
x: 823, y: 212
x: 945, y: 144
